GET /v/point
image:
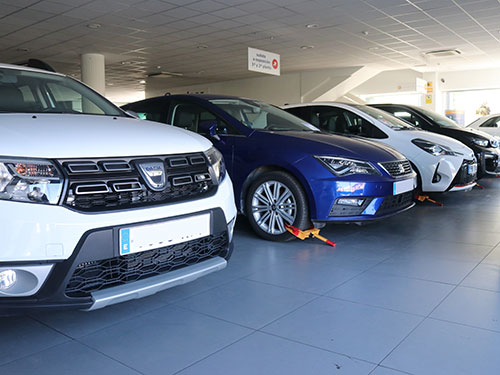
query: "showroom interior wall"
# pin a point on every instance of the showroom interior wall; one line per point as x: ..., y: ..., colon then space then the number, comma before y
x: 294, y: 87
x: 399, y: 86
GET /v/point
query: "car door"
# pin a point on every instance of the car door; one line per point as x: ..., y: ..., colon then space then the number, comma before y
x: 188, y: 115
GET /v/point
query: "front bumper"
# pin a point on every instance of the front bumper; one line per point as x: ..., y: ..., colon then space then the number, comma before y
x: 488, y: 163
x: 465, y: 179
x: 88, y: 279
x: 379, y: 199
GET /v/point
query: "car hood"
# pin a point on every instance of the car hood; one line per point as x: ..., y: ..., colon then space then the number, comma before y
x: 330, y: 144
x: 443, y: 140
x: 466, y: 133
x: 81, y: 136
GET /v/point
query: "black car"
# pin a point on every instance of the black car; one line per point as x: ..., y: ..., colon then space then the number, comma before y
x: 485, y: 146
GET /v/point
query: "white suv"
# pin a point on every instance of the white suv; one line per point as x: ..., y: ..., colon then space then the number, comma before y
x: 98, y: 207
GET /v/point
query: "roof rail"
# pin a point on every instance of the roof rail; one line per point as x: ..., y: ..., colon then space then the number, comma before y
x: 35, y: 63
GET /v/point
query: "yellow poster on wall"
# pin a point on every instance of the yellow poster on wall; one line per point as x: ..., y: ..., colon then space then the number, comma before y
x: 428, y: 99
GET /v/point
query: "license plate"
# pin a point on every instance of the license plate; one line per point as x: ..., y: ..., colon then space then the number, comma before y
x: 472, y: 169
x: 153, y: 236
x: 404, y: 186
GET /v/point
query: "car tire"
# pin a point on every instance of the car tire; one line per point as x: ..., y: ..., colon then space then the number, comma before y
x: 272, y: 199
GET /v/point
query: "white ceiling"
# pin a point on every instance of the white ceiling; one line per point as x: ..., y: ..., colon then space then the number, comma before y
x: 207, y: 40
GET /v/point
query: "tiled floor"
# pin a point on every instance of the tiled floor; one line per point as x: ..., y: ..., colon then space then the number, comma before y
x: 418, y: 293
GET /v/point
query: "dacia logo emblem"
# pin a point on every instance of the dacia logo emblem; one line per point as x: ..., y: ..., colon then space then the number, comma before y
x: 154, y: 174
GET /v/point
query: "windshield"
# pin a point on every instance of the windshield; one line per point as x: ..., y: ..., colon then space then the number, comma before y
x: 386, y: 118
x: 442, y: 121
x: 24, y: 91
x: 262, y: 116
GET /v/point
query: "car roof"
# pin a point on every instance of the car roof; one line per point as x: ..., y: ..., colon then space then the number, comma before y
x: 26, y: 68
x: 394, y: 104
x: 201, y: 96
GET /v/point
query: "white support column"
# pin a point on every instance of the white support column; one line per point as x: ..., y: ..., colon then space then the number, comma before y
x: 92, y: 66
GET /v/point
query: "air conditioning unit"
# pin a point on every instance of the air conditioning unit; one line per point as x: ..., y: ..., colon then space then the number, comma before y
x: 443, y: 53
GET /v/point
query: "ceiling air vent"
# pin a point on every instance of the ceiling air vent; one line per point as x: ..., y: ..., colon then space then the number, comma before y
x: 164, y: 74
x: 444, y: 53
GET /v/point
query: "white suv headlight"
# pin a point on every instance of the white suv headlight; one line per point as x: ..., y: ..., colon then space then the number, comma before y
x: 341, y: 167
x: 217, y: 165
x: 36, y: 181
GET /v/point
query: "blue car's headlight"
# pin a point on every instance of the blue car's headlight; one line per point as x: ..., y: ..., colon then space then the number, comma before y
x: 342, y: 167
x: 433, y: 148
x: 216, y: 163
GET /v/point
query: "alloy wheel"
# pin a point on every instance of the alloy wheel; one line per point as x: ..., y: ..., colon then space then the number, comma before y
x: 273, y: 205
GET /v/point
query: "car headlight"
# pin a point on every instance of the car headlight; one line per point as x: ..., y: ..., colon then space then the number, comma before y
x: 217, y: 165
x: 342, y: 167
x: 433, y: 148
x: 36, y: 181
x: 481, y: 142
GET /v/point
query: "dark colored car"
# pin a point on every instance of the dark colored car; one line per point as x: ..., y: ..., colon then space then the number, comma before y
x: 485, y: 146
x: 285, y: 170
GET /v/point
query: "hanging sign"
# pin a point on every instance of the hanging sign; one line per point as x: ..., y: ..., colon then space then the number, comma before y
x: 263, y: 61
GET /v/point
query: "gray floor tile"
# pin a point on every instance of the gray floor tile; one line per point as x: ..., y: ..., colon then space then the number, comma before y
x: 265, y: 354
x: 77, y: 323
x: 464, y: 235
x: 361, y: 331
x: 249, y: 303
x: 437, y: 348
x: 446, y: 250
x: 23, y: 336
x: 485, y: 276
x: 426, y: 268
x: 393, y: 292
x: 380, y: 370
x: 475, y: 307
x: 166, y: 340
x: 494, y: 256
x: 69, y: 358
x: 304, y: 276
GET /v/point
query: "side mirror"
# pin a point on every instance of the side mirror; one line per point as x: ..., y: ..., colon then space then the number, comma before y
x: 209, y: 128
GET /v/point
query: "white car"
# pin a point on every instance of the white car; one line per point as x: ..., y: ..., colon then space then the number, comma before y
x: 442, y: 163
x: 99, y: 207
x: 489, y: 124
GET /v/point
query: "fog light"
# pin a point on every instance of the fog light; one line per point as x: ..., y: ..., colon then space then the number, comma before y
x: 351, y: 201
x: 7, y: 279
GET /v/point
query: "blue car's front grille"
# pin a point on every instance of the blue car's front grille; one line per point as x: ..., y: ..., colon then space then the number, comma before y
x: 392, y: 203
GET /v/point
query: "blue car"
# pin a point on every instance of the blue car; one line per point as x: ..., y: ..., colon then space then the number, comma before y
x: 285, y: 170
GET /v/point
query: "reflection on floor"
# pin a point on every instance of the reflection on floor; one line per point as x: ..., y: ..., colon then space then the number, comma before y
x: 418, y: 293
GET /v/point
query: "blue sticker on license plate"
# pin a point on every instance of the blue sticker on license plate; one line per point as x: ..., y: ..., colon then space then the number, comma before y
x: 124, y: 241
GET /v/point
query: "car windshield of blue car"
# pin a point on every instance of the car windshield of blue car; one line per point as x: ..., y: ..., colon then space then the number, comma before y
x: 442, y: 121
x: 385, y: 118
x: 261, y: 116
x: 24, y: 91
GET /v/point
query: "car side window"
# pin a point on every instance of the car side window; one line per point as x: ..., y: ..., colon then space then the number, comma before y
x: 407, y: 116
x: 188, y: 116
x: 326, y: 118
x: 297, y: 111
x: 152, y: 110
x: 491, y: 123
x: 357, y: 125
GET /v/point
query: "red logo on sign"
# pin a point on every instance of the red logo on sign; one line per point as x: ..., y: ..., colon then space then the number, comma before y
x: 275, y: 64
